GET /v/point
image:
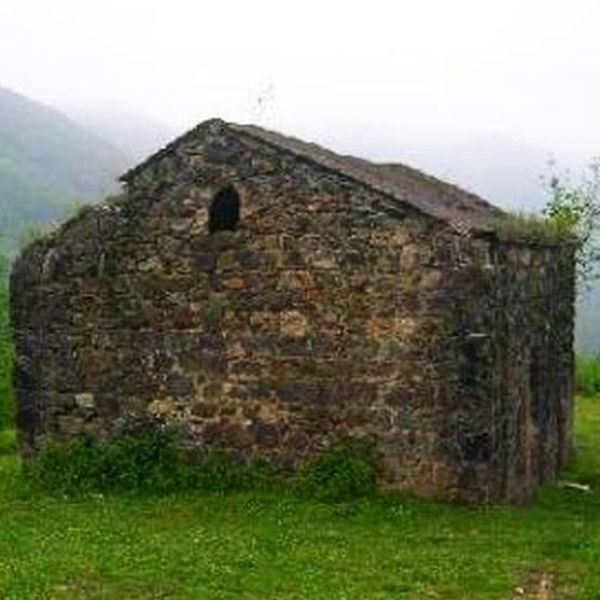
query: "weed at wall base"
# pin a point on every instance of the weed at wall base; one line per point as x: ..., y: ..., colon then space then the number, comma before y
x: 344, y: 471
x: 155, y: 463
x: 132, y: 463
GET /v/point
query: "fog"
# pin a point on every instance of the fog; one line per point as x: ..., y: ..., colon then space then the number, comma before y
x: 365, y: 77
x: 478, y: 92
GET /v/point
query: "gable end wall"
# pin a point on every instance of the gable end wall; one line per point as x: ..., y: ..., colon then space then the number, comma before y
x: 329, y: 311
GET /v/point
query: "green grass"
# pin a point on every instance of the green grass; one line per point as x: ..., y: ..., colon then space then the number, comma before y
x: 587, y: 375
x: 277, y: 545
x: 8, y: 441
x: 517, y: 225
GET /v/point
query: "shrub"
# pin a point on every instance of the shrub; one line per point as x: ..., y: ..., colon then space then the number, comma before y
x: 156, y: 463
x: 8, y: 441
x: 574, y: 208
x: 587, y: 375
x: 344, y: 471
x: 149, y: 463
x: 153, y: 462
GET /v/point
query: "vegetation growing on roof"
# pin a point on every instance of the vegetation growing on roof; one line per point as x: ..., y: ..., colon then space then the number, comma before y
x: 571, y: 215
x: 530, y: 228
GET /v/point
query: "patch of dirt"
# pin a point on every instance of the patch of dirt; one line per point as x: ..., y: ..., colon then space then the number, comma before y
x: 540, y: 586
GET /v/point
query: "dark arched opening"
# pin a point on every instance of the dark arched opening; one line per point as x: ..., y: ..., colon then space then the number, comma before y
x: 224, y: 211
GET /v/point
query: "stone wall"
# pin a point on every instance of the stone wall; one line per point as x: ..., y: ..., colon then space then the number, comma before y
x: 328, y: 311
x: 514, y: 347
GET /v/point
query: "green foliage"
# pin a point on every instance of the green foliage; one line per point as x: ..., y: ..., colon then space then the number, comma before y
x: 574, y: 208
x: 6, y: 352
x: 139, y: 463
x: 76, y: 208
x: 280, y: 545
x: 149, y: 463
x: 34, y: 232
x: 344, y: 471
x: 155, y: 463
x: 531, y: 227
x: 8, y: 441
x: 587, y: 375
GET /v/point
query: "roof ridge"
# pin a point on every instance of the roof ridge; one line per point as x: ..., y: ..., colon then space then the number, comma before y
x: 168, y: 147
x: 437, y: 180
x: 402, y: 183
x: 465, y: 201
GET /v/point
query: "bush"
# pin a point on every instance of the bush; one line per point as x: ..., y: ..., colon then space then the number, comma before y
x: 587, y: 375
x: 156, y: 463
x: 150, y: 463
x: 8, y: 441
x: 573, y: 207
x: 344, y: 471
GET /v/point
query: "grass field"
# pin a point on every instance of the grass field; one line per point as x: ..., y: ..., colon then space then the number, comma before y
x: 278, y: 546
x: 587, y: 375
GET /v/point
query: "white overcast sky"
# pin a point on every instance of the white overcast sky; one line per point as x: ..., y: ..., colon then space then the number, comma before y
x: 527, y: 69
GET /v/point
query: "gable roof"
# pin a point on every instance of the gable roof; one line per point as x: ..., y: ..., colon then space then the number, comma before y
x: 400, y: 183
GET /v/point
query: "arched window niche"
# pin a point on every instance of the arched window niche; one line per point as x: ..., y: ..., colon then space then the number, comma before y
x: 224, y: 210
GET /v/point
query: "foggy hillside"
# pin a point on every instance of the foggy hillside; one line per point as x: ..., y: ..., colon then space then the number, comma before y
x: 134, y: 134
x: 47, y: 162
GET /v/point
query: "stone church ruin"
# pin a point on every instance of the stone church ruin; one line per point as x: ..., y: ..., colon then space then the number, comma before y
x: 272, y: 295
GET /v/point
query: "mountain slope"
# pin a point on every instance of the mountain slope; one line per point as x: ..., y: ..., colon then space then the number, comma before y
x: 135, y: 134
x: 47, y: 162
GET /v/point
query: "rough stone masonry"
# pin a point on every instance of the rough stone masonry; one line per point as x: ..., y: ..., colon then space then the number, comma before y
x: 268, y: 294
